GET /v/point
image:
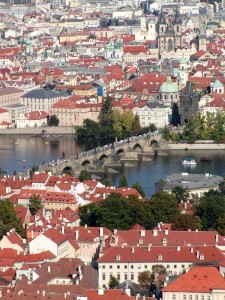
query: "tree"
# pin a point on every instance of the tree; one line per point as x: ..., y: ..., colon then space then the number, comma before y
x: 145, y: 279
x: 33, y: 169
x: 190, y: 133
x: 152, y: 127
x: 117, y: 123
x: 105, y: 119
x: 210, y: 208
x: 117, y: 212
x: 164, y: 207
x: 107, y: 182
x: 84, y: 175
x: 35, y: 204
x: 90, y: 129
x: 113, y: 282
x: 53, y: 120
x: 136, y: 126
x: 183, y: 222
x: 9, y: 219
x: 166, y: 133
x: 2, y: 172
x: 139, y: 188
x: 127, y: 122
x: 180, y: 193
x: 123, y: 181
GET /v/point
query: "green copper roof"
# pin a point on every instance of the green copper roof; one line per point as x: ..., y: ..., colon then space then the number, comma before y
x: 168, y: 87
x: 217, y: 84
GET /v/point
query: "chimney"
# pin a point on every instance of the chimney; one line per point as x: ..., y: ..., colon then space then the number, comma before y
x: 49, y: 269
x: 43, y: 293
x: 149, y: 247
x: 166, y: 231
x: 101, y: 231
x: 77, y: 235
x: 115, y: 231
x: 197, y: 253
x: 65, y: 294
x: 85, y: 226
x: 142, y: 232
x: 132, y: 249
x: 192, y: 250
x: 217, y: 238
x: 178, y: 248
x: 32, y: 234
x: 63, y: 230
x: 127, y: 291
x: 100, y: 292
x: 155, y: 232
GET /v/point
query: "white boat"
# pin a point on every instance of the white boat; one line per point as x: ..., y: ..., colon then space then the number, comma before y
x: 189, y: 161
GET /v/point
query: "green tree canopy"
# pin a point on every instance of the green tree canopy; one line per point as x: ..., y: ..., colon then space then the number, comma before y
x: 166, y: 133
x: 139, y: 188
x: 9, y: 219
x: 33, y: 169
x: 84, y: 175
x: 53, y: 120
x: 164, y: 207
x: 180, y: 193
x: 210, y: 208
x: 90, y: 129
x: 113, y: 282
x: 145, y: 279
x: 123, y: 181
x: 183, y: 222
x: 136, y: 126
x: 35, y: 204
x: 117, y: 212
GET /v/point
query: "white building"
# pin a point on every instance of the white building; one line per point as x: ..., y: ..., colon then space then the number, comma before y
x: 153, y: 113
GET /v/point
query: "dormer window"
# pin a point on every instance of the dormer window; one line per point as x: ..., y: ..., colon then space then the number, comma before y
x: 117, y: 257
x: 160, y: 257
x: 202, y: 257
x: 140, y: 241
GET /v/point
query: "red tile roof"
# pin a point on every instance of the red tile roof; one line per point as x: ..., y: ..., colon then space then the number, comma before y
x: 107, y: 295
x: 142, y: 254
x: 196, y: 280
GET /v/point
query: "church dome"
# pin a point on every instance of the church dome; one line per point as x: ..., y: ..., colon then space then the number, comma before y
x: 168, y: 87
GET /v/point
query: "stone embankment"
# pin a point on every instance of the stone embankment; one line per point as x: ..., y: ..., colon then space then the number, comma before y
x: 184, y: 146
x: 38, y: 130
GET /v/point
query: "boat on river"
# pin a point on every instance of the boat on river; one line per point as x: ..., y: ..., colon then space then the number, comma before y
x: 205, y: 159
x: 189, y: 161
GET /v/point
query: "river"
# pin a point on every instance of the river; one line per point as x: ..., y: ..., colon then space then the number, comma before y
x: 23, y: 151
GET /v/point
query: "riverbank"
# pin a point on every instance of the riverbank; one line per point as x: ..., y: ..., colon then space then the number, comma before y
x: 184, y: 146
x: 38, y: 130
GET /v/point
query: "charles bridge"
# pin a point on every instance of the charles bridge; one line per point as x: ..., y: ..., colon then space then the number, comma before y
x: 109, y: 157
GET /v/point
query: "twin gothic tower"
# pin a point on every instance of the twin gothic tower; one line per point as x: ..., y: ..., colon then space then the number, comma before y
x: 169, y: 32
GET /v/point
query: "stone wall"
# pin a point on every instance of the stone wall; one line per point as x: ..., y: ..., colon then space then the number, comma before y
x: 202, y: 146
x: 38, y: 130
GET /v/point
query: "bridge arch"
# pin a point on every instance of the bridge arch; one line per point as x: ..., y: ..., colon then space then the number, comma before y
x: 103, y: 157
x: 68, y: 170
x: 86, y: 163
x: 120, y: 151
x: 137, y: 147
x: 154, y: 143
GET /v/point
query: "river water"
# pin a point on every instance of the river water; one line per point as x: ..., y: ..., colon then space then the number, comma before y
x: 18, y: 152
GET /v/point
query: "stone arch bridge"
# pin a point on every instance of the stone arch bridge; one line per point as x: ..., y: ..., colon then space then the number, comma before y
x: 107, y: 156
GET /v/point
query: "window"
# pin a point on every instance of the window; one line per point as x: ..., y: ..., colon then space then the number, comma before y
x: 118, y: 276
x: 125, y: 276
x: 183, y: 266
x: 125, y: 267
x: 190, y: 297
x: 118, y: 267
x: 184, y: 297
x: 131, y: 266
x: 196, y: 297
x: 146, y: 266
x: 110, y: 267
x: 132, y: 276
x: 174, y: 296
x: 202, y: 297
x: 103, y: 267
x: 168, y: 266
x: 175, y: 266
